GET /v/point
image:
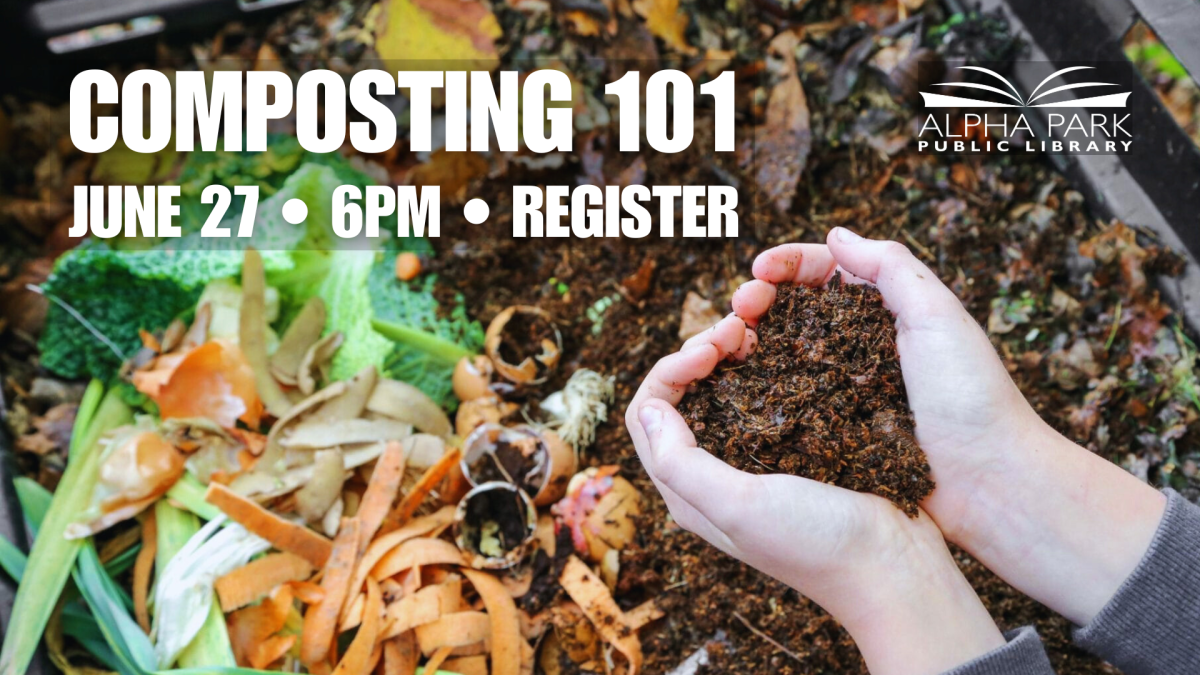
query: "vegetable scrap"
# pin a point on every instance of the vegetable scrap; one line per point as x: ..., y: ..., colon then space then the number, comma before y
x: 821, y: 396
x: 1070, y: 302
x: 287, y: 520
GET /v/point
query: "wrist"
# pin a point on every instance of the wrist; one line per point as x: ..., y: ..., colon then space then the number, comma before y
x: 919, y: 616
x: 1059, y: 523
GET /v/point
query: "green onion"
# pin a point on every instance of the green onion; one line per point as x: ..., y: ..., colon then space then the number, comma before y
x: 85, y: 413
x: 52, y: 557
x: 133, y: 650
x: 12, y: 560
x: 188, y: 491
x: 121, y: 562
x: 211, y: 645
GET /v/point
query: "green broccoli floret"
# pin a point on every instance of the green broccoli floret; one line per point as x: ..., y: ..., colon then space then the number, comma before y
x: 97, y: 305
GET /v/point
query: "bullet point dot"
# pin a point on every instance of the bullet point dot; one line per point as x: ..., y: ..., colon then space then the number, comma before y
x: 476, y: 211
x: 295, y: 211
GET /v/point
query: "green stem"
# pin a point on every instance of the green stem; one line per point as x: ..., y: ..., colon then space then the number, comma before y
x: 211, y: 646
x: 429, y: 343
x: 53, y: 556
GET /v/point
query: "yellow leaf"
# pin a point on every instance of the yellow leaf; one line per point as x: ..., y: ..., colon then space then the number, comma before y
x: 464, y: 32
x: 666, y: 22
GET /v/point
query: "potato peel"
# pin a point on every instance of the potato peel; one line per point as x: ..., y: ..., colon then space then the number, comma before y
x: 594, y: 598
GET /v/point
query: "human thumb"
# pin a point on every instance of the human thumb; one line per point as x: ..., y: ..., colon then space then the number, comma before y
x: 909, y: 288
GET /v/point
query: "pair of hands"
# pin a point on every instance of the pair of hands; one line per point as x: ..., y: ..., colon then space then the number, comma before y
x: 1057, y: 522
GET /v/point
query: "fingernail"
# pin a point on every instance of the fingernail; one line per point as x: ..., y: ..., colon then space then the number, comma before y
x: 847, y: 237
x: 651, y: 419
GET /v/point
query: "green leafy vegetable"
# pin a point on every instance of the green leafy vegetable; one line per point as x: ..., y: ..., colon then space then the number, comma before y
x: 53, y: 556
x: 348, y: 304
x: 427, y: 345
x: 97, y: 306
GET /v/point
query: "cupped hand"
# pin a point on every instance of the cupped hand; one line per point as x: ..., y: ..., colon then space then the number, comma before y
x: 1059, y: 523
x: 888, y: 578
x: 966, y: 406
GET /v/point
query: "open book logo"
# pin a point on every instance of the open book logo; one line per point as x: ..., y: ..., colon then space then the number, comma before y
x: 1103, y: 101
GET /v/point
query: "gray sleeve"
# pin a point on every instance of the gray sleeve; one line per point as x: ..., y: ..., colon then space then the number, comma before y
x: 1023, y: 655
x: 1152, y: 625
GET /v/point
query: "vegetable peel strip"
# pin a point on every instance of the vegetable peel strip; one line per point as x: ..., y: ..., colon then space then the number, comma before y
x: 506, y: 622
x: 258, y: 578
x: 384, y: 544
x: 412, y: 501
x: 283, y: 535
x: 321, y: 619
x: 439, y: 657
x: 252, y: 334
x: 425, y: 606
x: 458, y: 629
x: 593, y: 597
x: 400, y: 655
x: 358, y: 656
x: 141, y: 570
x: 416, y: 552
x: 381, y: 492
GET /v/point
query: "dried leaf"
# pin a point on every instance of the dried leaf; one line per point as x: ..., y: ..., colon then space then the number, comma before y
x: 667, y: 22
x: 697, y: 316
x: 458, y: 31
x: 782, y: 143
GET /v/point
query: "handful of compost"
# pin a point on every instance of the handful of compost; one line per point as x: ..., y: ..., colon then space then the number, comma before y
x: 822, y: 397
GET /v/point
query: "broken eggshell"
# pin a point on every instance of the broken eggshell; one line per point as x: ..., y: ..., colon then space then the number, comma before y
x: 472, y: 377
x: 535, y: 460
x: 535, y: 361
x: 483, y: 410
x: 494, y: 525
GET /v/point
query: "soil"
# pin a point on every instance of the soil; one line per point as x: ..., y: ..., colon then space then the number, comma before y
x: 822, y: 397
x: 700, y: 587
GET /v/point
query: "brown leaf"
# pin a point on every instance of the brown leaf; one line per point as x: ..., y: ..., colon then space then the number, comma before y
x: 53, y: 430
x: 453, y: 171
x: 782, y: 143
x: 698, y: 315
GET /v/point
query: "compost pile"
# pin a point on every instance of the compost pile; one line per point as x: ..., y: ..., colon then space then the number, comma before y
x: 1069, y: 302
x: 822, y: 396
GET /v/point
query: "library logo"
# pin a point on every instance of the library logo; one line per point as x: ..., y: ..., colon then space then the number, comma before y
x: 1095, y: 124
